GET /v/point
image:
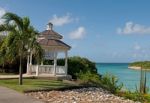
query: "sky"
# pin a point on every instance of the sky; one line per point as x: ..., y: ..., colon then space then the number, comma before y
x: 101, y: 30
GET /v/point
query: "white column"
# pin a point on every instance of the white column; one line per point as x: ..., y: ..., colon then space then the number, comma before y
x: 37, y: 70
x: 42, y: 62
x: 28, y: 65
x: 31, y: 58
x: 55, y: 62
x: 66, y: 62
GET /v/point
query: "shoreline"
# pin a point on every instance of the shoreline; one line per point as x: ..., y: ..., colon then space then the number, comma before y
x: 136, y: 68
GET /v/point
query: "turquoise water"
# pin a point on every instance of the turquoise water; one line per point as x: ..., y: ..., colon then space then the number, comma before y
x: 129, y: 77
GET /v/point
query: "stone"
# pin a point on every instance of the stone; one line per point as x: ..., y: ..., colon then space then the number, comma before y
x: 83, y: 95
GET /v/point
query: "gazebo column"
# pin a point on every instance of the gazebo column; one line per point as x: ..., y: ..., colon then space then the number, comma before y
x: 28, y: 67
x: 42, y: 62
x: 31, y: 58
x: 55, y: 62
x: 66, y: 62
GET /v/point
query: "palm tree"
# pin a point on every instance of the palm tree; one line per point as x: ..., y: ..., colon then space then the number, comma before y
x: 20, y: 37
x: 34, y: 46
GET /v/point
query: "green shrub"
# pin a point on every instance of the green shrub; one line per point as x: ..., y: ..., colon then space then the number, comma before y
x: 135, y: 96
x: 89, y: 78
x: 110, y: 82
x: 77, y: 65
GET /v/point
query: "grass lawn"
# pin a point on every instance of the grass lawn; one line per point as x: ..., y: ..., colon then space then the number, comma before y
x: 33, y: 84
x: 8, y: 74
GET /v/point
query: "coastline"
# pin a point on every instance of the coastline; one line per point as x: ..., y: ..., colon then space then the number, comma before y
x: 136, y: 68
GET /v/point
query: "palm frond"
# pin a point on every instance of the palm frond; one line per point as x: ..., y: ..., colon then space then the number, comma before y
x: 26, y: 23
x: 6, y: 27
x: 8, y: 17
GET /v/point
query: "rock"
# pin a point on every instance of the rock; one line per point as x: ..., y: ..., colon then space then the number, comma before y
x: 83, y: 95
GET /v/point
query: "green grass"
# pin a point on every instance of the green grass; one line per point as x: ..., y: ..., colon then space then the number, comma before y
x: 8, y: 74
x: 33, y: 84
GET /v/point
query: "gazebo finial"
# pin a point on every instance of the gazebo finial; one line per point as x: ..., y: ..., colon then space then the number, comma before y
x: 49, y: 26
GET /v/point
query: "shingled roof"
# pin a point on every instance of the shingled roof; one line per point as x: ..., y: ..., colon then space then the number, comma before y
x: 51, y: 38
x: 52, y: 42
x: 51, y: 33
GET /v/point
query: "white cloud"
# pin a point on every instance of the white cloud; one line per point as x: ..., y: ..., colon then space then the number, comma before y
x: 79, y: 33
x: 2, y: 12
x: 137, y: 47
x: 133, y: 28
x: 62, y: 20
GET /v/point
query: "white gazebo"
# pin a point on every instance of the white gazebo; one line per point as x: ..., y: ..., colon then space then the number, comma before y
x: 51, y: 43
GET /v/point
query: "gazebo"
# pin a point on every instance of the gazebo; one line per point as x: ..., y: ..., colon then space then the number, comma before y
x: 51, y: 43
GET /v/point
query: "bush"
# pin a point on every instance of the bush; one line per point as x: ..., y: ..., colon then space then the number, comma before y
x: 110, y: 82
x: 78, y: 65
x: 135, y: 96
x: 89, y: 78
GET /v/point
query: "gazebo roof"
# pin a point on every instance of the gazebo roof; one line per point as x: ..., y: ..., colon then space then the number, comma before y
x: 54, y: 43
x: 50, y: 38
x: 51, y: 33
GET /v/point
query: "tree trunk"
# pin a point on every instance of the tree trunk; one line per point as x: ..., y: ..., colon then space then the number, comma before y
x: 20, y: 71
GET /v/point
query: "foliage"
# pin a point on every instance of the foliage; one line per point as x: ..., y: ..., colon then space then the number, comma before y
x: 77, y: 65
x: 85, y: 70
x: 143, y: 64
x: 21, y: 38
x: 110, y: 82
x: 89, y: 78
x: 135, y: 96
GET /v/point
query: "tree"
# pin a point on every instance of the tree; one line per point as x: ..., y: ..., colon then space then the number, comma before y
x: 34, y: 46
x: 20, y: 37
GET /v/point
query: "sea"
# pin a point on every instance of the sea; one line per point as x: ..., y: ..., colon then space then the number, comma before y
x: 129, y: 77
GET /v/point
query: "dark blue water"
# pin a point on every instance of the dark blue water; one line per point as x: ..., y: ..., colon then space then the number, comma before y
x: 129, y: 77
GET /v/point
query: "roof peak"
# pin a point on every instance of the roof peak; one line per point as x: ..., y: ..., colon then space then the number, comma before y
x: 49, y: 26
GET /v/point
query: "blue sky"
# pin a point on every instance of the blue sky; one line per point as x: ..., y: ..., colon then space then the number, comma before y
x: 101, y: 30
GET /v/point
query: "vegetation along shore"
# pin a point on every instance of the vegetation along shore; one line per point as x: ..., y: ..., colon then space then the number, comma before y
x: 145, y: 65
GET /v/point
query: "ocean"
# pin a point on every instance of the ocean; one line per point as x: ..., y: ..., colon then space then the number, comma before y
x: 129, y: 77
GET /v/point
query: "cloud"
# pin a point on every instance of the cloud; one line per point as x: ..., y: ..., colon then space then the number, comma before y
x: 2, y: 12
x: 133, y: 28
x: 137, y: 47
x: 62, y: 20
x: 79, y: 33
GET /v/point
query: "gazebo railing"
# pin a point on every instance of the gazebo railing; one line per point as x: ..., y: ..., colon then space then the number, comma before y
x: 32, y: 68
x: 47, y: 69
x: 60, y: 70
